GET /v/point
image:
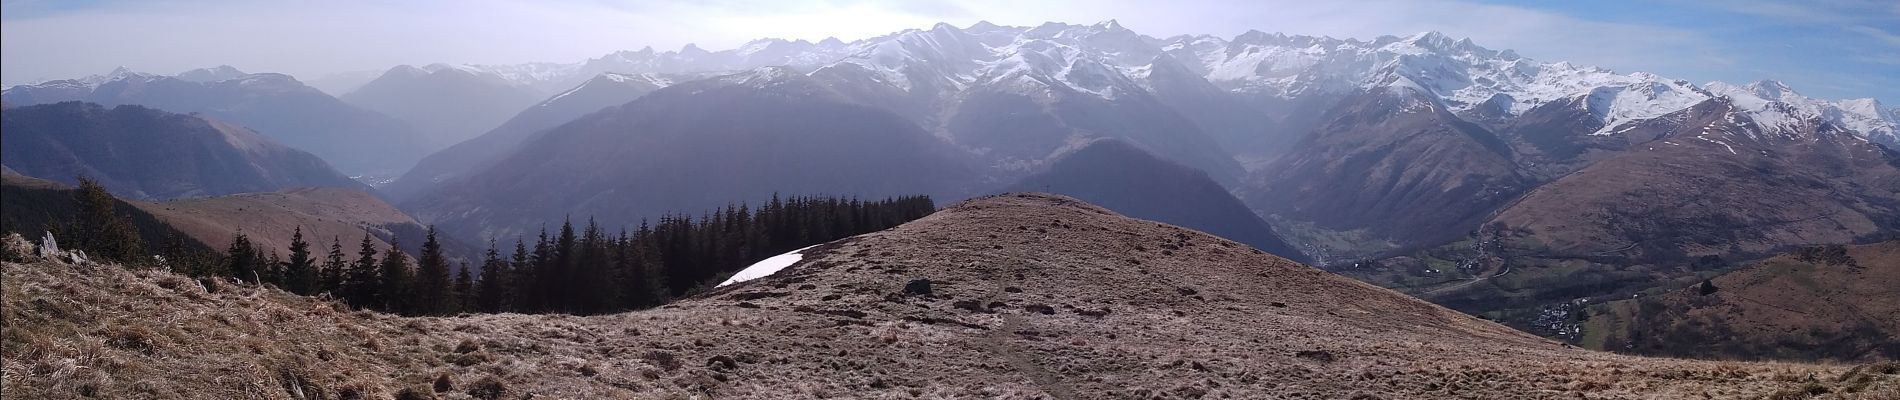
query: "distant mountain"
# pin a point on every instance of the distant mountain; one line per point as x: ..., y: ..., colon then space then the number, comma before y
x: 213, y: 74
x: 1391, y: 164
x: 553, y: 78
x: 142, y: 153
x: 447, y: 104
x: 1660, y: 202
x: 356, y: 141
x: 342, y: 83
x: 741, y: 137
x: 1714, y: 180
x: 1817, y: 303
x: 602, y: 92
x: 1247, y: 108
x: 1121, y: 177
x: 1251, y: 97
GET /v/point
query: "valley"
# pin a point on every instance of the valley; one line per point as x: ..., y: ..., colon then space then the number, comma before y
x: 969, y: 210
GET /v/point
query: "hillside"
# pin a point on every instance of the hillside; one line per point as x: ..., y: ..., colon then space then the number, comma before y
x: 1027, y: 296
x: 144, y: 153
x: 269, y: 219
x: 33, y: 207
x: 1824, y: 302
x: 1129, y: 180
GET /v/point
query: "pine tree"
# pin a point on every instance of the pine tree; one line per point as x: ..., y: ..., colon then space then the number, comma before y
x: 102, y: 231
x: 649, y: 287
x: 241, y: 259
x: 335, y: 268
x: 172, y: 249
x: 394, y: 290
x: 565, y: 253
x: 364, y: 280
x: 512, y: 283
x: 432, y: 286
x: 300, y: 272
x: 464, y: 290
x: 488, y: 297
x: 533, y: 282
x: 273, y: 272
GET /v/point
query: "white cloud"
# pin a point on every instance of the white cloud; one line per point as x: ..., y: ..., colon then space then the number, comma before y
x: 1876, y: 33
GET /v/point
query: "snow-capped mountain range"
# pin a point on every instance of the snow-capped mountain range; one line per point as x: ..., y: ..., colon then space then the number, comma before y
x: 1109, y: 60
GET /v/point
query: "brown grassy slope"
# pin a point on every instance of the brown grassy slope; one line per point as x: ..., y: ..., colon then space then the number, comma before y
x: 269, y: 218
x: 1032, y: 297
x: 1786, y: 307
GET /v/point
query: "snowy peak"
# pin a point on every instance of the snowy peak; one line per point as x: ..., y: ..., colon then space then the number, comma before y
x: 762, y: 77
x: 1779, y: 109
x: 1772, y: 90
x: 648, y: 79
x: 213, y: 74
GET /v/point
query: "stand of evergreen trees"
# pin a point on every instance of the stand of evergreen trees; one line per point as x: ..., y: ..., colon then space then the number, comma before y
x: 90, y: 219
x: 584, y: 270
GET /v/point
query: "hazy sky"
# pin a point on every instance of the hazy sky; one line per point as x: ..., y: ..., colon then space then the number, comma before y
x: 1827, y: 48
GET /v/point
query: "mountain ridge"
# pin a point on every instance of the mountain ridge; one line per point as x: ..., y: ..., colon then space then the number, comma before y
x: 144, y: 153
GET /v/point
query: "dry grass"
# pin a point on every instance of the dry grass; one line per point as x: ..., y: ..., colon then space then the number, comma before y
x: 269, y: 218
x: 1198, y: 322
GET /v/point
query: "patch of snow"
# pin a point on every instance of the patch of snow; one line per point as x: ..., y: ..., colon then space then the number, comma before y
x: 767, y: 267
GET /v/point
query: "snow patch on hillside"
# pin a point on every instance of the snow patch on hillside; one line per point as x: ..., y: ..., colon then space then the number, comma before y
x: 767, y: 267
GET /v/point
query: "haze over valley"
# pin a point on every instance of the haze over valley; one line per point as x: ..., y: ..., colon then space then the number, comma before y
x: 1043, y: 210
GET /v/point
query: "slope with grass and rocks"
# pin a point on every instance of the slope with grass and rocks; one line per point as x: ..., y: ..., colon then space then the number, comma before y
x: 1820, y: 302
x: 1011, y: 296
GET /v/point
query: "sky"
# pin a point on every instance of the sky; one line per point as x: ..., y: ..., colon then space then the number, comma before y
x: 1826, y: 48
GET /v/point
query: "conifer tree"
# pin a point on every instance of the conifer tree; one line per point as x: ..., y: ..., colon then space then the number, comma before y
x: 488, y: 297
x: 241, y: 259
x: 300, y: 272
x: 511, y: 284
x: 394, y: 290
x: 559, y: 271
x: 432, y: 285
x: 534, y: 296
x: 172, y: 249
x: 335, y: 268
x: 103, y: 232
x: 273, y: 272
x: 464, y: 290
x: 364, y: 280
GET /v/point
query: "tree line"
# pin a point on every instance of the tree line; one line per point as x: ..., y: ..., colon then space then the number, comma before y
x: 576, y: 270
